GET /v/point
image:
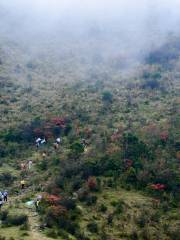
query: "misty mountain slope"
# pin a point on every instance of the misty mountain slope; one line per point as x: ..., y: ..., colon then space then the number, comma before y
x: 104, y: 77
x: 123, y: 184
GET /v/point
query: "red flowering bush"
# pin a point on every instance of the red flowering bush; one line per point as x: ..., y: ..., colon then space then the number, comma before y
x: 38, y: 132
x: 48, y: 134
x: 58, y: 121
x: 52, y: 199
x: 157, y: 186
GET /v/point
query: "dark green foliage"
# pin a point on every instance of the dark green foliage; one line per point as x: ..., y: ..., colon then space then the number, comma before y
x: 151, y: 84
x: 131, y: 176
x: 110, y: 219
x: 6, y: 178
x: 135, y: 149
x: 51, y: 233
x: 143, y: 219
x: 102, y: 208
x: 15, y: 220
x: 119, y: 207
x: 43, y: 165
x: 3, y: 150
x: 164, y: 55
x: 76, y: 184
x: 77, y: 148
x: 68, y: 203
x: 92, y: 227
x: 67, y: 129
x: 3, y: 215
x: 91, y: 200
x: 107, y: 97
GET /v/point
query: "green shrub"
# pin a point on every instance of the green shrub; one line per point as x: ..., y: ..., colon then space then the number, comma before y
x: 110, y: 218
x: 107, y: 97
x: 102, y: 208
x: 51, y: 233
x: 77, y: 148
x: 25, y: 227
x: 43, y: 165
x: 92, y: 227
x: 119, y: 206
x: 16, y: 220
x: 134, y: 235
x: 68, y: 203
x: 62, y: 233
x: 3, y: 215
x: 91, y: 200
x: 142, y: 220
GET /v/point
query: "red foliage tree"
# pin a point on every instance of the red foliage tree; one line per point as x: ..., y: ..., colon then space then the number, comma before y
x: 157, y: 186
x: 52, y: 199
x: 48, y: 134
x: 38, y: 132
x: 58, y: 121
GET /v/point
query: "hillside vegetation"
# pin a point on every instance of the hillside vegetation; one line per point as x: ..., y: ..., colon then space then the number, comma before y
x: 115, y: 174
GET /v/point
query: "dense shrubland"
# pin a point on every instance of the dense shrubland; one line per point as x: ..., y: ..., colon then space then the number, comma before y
x: 130, y: 126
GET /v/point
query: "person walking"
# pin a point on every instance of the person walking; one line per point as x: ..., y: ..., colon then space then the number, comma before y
x: 30, y: 164
x: 22, y: 184
x: 1, y: 195
x: 1, y: 202
x: 5, y: 196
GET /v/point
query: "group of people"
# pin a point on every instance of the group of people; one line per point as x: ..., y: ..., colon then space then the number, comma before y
x: 3, y: 197
x: 40, y: 141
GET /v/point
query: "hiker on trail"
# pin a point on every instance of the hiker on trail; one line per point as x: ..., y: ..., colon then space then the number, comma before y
x: 38, y: 140
x: 30, y: 164
x: 37, y: 202
x: 1, y: 195
x: 22, y: 184
x: 1, y: 203
x: 83, y: 142
x: 5, y: 195
x: 56, y: 144
x: 44, y: 155
x: 43, y: 141
x: 58, y: 140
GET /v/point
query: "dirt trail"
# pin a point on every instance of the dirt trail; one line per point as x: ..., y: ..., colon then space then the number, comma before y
x: 33, y: 219
x: 34, y: 227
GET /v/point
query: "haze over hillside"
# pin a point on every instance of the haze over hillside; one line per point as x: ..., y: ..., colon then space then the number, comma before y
x: 105, y: 27
x: 89, y: 119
